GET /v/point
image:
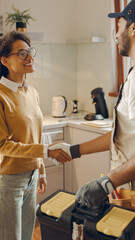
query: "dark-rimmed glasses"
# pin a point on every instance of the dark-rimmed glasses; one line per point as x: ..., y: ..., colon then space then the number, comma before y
x: 23, y: 53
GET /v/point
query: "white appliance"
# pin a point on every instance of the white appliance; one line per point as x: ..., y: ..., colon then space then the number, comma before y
x: 59, y: 106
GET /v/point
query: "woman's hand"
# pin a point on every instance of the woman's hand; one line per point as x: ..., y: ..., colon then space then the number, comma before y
x: 42, y: 185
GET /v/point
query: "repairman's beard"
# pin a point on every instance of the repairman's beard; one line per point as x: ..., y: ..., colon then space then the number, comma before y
x: 124, y: 50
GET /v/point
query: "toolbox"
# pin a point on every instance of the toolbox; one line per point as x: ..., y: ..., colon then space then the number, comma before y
x: 61, y: 218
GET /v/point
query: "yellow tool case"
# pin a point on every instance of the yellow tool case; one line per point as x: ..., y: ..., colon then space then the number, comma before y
x: 61, y: 218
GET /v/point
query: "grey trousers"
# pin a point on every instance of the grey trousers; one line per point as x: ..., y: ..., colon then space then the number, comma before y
x: 18, y: 205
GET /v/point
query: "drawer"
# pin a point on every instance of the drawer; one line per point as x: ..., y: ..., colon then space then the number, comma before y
x: 55, y: 134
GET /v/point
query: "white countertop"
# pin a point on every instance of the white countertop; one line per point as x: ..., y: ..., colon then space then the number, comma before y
x: 51, y: 122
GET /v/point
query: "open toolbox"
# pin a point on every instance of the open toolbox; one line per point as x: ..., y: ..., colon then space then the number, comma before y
x: 60, y: 217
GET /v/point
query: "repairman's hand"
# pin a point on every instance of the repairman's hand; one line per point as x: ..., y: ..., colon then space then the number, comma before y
x: 59, y: 152
x: 63, y: 152
x: 94, y: 194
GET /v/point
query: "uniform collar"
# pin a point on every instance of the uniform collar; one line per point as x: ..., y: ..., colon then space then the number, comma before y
x: 13, y: 85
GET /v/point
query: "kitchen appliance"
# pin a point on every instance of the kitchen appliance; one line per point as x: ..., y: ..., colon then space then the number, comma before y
x: 99, y: 101
x: 59, y: 106
x: 75, y: 106
x: 111, y: 222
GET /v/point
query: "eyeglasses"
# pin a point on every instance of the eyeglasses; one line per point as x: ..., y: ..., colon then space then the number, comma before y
x: 23, y: 53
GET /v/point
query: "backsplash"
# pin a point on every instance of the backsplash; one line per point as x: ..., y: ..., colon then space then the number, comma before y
x: 93, y: 70
x: 55, y: 74
x: 72, y: 71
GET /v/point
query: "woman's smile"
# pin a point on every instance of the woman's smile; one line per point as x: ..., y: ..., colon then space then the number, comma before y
x: 30, y: 64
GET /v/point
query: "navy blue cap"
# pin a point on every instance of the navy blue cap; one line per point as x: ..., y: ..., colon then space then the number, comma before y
x: 128, y: 12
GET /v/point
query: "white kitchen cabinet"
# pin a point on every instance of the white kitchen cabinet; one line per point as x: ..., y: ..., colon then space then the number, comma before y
x: 86, y: 168
x: 55, y: 179
x: 72, y: 175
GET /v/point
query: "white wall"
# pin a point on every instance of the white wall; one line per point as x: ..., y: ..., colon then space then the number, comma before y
x: 55, y: 74
x: 93, y: 60
x: 63, y: 19
x: 92, y: 17
x: 70, y: 70
x: 93, y: 71
x: 55, y: 63
x: 56, y: 18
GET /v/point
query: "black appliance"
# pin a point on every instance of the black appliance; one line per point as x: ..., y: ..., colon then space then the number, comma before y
x: 63, y: 227
x: 75, y: 106
x: 99, y: 101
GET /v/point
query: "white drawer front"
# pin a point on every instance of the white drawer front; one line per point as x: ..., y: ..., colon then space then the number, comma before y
x: 56, y: 135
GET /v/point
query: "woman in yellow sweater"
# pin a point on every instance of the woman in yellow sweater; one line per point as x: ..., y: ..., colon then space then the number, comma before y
x: 21, y: 150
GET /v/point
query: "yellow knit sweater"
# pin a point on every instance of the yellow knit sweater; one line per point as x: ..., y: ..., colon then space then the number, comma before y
x: 20, y: 131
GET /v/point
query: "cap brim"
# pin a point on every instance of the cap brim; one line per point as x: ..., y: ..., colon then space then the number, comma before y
x: 115, y: 15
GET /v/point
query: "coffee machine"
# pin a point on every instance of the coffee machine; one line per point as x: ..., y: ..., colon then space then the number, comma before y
x: 99, y: 101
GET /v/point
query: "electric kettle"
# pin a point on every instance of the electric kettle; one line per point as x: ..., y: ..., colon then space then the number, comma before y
x: 59, y: 106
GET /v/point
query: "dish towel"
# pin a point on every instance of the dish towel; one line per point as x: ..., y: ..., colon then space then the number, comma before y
x: 46, y: 139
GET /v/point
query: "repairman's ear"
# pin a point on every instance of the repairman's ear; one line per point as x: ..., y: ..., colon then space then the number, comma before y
x: 133, y: 29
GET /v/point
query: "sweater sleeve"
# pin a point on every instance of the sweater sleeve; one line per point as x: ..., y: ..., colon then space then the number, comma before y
x: 10, y: 148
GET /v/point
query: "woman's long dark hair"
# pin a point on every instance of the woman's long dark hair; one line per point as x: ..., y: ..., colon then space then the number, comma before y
x: 6, y: 47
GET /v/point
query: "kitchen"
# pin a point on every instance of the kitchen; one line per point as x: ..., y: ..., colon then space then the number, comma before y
x: 67, y: 60
x: 68, y: 69
x: 68, y: 63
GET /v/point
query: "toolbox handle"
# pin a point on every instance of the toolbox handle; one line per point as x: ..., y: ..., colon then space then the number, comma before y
x: 87, y: 211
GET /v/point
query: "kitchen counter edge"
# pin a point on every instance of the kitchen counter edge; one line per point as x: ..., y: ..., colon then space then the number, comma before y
x: 51, y: 123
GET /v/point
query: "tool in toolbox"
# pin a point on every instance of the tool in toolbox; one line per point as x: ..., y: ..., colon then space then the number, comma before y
x: 61, y: 217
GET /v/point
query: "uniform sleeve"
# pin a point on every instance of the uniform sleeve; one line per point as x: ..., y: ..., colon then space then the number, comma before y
x: 131, y: 95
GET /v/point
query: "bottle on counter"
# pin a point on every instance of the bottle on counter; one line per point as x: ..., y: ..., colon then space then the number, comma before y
x: 75, y: 106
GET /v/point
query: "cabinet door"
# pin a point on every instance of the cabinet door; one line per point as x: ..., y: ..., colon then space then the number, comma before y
x: 88, y: 167
x: 54, y: 181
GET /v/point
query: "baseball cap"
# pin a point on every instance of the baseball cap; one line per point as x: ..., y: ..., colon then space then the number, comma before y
x: 128, y: 12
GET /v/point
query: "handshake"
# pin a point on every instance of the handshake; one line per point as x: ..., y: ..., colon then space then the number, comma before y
x: 63, y: 152
x: 92, y: 194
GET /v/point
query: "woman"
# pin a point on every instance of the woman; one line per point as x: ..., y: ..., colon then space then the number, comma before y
x: 20, y: 140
